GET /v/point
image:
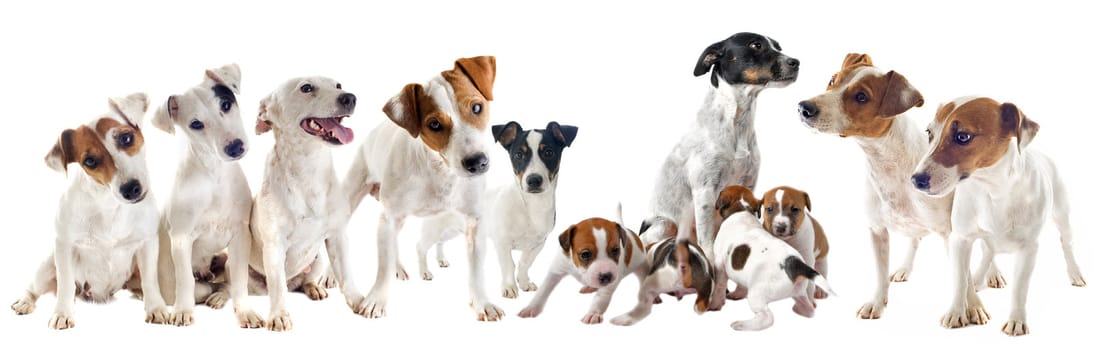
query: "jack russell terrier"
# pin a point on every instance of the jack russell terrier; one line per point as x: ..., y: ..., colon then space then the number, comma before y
x: 1002, y: 192
x: 720, y: 147
x: 766, y: 266
x: 210, y: 206
x: 522, y: 213
x: 93, y: 257
x: 429, y: 158
x: 599, y: 253
x: 788, y: 216
x: 301, y: 207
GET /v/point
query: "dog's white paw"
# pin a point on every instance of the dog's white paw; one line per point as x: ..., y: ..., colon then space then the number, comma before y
x: 592, y: 318
x: 995, y: 279
x: 1077, y: 280
x: 182, y: 317
x: 957, y: 318
x: 23, y: 306
x: 819, y: 294
x: 218, y: 299
x: 527, y: 286
x: 314, y: 291
x: 488, y: 312
x: 328, y: 281
x: 372, y: 307
x: 624, y: 320
x: 871, y: 310
x: 157, y: 315
x: 1016, y: 328
x: 509, y: 291
x: 442, y: 262
x: 530, y: 311
x: 401, y: 274
x: 901, y: 275
x: 249, y: 319
x: 280, y: 321
x: 716, y: 304
x: 61, y: 321
x: 427, y: 276
x: 977, y: 314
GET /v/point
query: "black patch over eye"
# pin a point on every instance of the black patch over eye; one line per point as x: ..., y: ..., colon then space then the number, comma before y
x: 548, y: 153
x: 755, y: 45
x: 90, y: 162
x: 125, y: 140
x: 585, y: 255
x: 614, y: 252
x: 338, y: 86
x: 476, y: 108
x: 861, y: 97
x: 306, y: 88
x: 434, y: 125
x: 962, y: 138
x: 518, y: 155
x: 225, y: 106
x: 197, y: 125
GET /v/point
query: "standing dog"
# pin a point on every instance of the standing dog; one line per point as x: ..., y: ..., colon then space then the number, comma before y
x: 787, y: 215
x: 427, y: 159
x: 301, y: 204
x: 720, y: 148
x: 522, y: 213
x: 1002, y: 192
x: 94, y: 256
x: 210, y: 206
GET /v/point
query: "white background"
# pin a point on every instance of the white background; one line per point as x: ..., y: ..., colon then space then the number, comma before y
x: 619, y: 71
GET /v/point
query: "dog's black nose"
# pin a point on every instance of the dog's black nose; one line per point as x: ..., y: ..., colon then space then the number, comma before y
x: 476, y: 164
x: 606, y: 278
x: 535, y: 181
x: 808, y: 109
x: 347, y: 100
x: 234, y: 149
x: 793, y: 62
x: 131, y: 190
x: 922, y: 181
x: 780, y: 228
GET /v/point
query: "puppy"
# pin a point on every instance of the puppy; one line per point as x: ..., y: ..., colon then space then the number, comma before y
x: 770, y: 269
x: 521, y: 213
x: 1002, y: 191
x: 720, y: 148
x: 94, y: 256
x: 301, y: 207
x: 787, y: 215
x: 598, y: 253
x: 210, y: 205
x: 429, y: 158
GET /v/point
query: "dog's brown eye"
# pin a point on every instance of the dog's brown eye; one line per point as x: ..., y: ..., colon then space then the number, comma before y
x: 930, y: 136
x: 832, y: 81
x: 770, y: 209
x: 861, y: 97
x: 585, y: 255
x: 795, y: 210
x: 125, y: 140
x: 962, y: 138
x: 434, y: 125
x: 90, y: 162
x: 518, y: 156
x: 614, y: 252
x: 548, y: 153
x: 306, y: 88
x: 338, y: 86
x: 755, y: 45
x: 476, y: 108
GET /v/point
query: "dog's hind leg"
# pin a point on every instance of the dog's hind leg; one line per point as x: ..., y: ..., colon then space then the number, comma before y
x: 1061, y: 214
x: 45, y: 281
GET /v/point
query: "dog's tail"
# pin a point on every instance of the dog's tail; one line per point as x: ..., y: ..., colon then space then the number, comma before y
x: 355, y: 183
x: 619, y: 213
x: 797, y: 270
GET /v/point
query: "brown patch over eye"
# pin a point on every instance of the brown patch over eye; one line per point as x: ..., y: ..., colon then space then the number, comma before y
x: 104, y: 127
x: 977, y: 117
x: 82, y: 144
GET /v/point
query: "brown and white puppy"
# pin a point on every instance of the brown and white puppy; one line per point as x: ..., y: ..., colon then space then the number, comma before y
x: 1002, y: 193
x: 94, y: 256
x: 787, y: 216
x: 598, y: 253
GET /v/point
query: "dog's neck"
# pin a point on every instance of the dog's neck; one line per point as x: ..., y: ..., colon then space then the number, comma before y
x: 297, y: 152
x: 1010, y: 171
x: 540, y: 207
x: 728, y: 115
x: 892, y: 158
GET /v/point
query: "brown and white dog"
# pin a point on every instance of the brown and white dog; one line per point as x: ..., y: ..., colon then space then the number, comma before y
x: 1002, y: 192
x: 599, y: 253
x: 427, y: 158
x: 93, y: 256
x: 787, y: 215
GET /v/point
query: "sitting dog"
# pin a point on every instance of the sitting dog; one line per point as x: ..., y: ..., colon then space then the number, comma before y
x: 1002, y: 191
x: 787, y: 215
x: 720, y: 148
x: 598, y: 253
x: 94, y: 256
x: 522, y: 213
x: 301, y: 204
x: 210, y: 206
x: 427, y: 159
x: 768, y: 267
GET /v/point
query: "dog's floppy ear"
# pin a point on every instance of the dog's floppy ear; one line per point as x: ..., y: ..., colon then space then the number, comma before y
x: 566, y: 239
x: 707, y: 59
x: 808, y: 203
x: 1016, y: 124
x: 857, y: 59
x: 405, y: 108
x: 131, y: 108
x: 62, y: 153
x: 564, y: 134
x: 480, y: 70
x: 622, y: 232
x: 228, y: 75
x: 506, y: 134
x: 899, y: 96
x: 165, y: 116
x: 266, y: 107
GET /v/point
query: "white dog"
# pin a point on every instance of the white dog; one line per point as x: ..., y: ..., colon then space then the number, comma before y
x: 94, y: 256
x: 1003, y: 192
x: 301, y: 204
x: 210, y: 205
x: 429, y: 158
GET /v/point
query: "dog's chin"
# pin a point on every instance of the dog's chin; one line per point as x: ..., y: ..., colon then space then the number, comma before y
x: 535, y: 190
x: 782, y: 82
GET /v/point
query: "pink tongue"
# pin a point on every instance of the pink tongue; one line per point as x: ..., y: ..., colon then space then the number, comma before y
x: 343, y: 134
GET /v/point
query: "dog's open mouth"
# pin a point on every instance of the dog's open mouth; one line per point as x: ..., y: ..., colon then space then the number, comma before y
x: 330, y: 129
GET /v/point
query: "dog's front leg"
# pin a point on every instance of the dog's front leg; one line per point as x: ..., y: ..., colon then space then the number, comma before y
x: 476, y: 253
x: 66, y: 287
x: 535, y: 307
x: 273, y: 260
x: 504, y: 251
x: 155, y: 308
x: 43, y: 283
x: 1023, y: 268
x: 313, y: 284
x: 526, y: 259
x: 704, y: 199
x: 239, y: 254
x: 905, y: 270
x: 182, y: 245
x: 646, y: 293
x: 338, y: 251
x: 966, y: 307
x: 873, y: 308
x: 374, y: 305
x: 600, y: 304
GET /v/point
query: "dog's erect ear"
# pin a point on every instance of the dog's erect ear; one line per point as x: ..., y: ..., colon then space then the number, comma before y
x: 228, y: 75
x: 62, y: 153
x: 1016, y: 124
x: 857, y: 59
x: 566, y: 239
x: 131, y: 108
x: 506, y: 134
x: 404, y: 109
x: 808, y: 203
x: 268, y: 106
x: 564, y: 134
x: 165, y: 116
x: 899, y: 96
x: 707, y: 59
x: 481, y: 71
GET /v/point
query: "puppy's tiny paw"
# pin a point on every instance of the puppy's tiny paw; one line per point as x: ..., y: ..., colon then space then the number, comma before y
x: 314, y: 291
x: 624, y: 320
x: 592, y: 318
x: 820, y: 294
x: 716, y: 304
x: 743, y: 325
x: 530, y: 311
x: 1016, y: 328
x: 249, y: 319
x: 61, y: 321
x: 901, y: 275
x: 280, y: 321
x: 1077, y: 280
x: 372, y: 306
x: 527, y: 286
x: 401, y: 274
x: 158, y: 315
x: 587, y: 290
x: 182, y: 317
x: 737, y: 294
x: 217, y: 299
x: 23, y: 306
x: 871, y: 310
x: 442, y: 262
x: 427, y: 276
x: 509, y: 291
x: 488, y: 312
